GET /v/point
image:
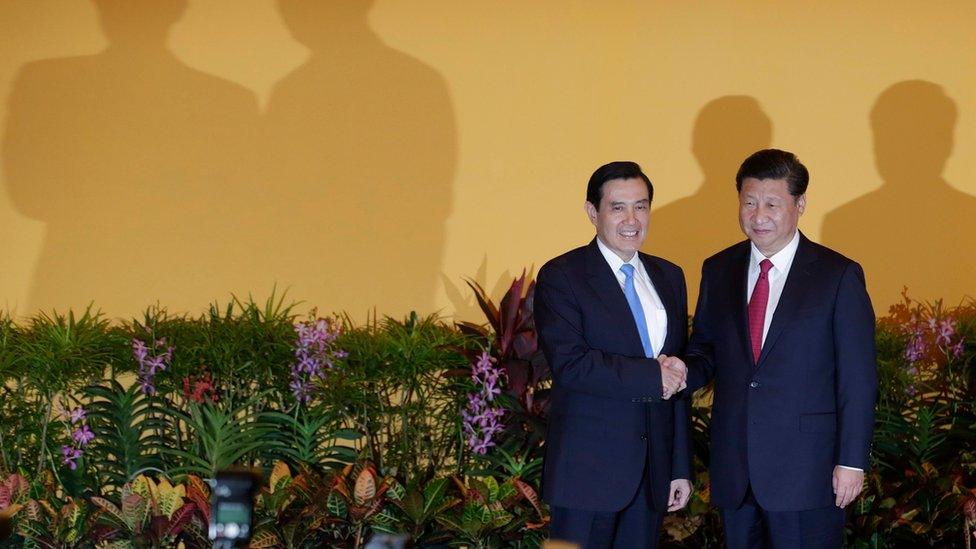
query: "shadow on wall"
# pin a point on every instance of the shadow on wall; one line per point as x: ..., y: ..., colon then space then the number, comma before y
x: 689, y: 230
x: 136, y: 163
x: 916, y: 230
x: 360, y: 148
x: 157, y: 181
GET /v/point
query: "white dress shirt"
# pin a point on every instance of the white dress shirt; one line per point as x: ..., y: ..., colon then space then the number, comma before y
x: 782, y: 261
x: 655, y: 315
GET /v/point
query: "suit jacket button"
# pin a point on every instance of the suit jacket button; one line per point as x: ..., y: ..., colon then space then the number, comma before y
x: 754, y: 384
x: 644, y: 437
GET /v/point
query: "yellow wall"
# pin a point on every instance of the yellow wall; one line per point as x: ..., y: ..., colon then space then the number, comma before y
x: 373, y: 154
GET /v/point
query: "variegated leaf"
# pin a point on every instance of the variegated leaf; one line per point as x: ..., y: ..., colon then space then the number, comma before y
x: 48, y: 508
x: 264, y: 539
x: 179, y: 518
x: 109, y: 508
x: 170, y: 498
x: 336, y: 505
x: 143, y: 486
x: 280, y: 476
x: 529, y: 493
x: 365, y: 489
x: 199, y: 494
x: 34, y: 510
x: 491, y: 486
x: 135, y: 509
x: 396, y: 491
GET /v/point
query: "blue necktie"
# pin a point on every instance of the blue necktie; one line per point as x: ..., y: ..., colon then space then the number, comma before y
x: 635, y: 308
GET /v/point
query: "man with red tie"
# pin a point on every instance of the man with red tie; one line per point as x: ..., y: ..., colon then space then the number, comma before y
x: 785, y: 327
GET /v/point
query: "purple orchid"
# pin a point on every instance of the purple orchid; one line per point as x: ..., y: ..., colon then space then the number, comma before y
x: 83, y: 435
x: 69, y: 455
x: 151, y: 361
x: 77, y: 414
x: 315, y: 353
x: 481, y: 417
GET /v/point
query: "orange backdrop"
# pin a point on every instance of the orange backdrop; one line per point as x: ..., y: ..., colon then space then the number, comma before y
x: 368, y: 155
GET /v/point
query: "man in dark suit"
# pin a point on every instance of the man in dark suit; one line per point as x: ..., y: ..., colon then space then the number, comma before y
x: 786, y: 329
x: 617, y: 450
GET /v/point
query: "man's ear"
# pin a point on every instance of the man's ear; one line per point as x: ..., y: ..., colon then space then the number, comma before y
x: 801, y: 202
x: 590, y: 210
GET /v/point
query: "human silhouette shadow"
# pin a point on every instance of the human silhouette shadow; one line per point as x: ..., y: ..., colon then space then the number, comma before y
x: 915, y: 230
x: 360, y: 144
x: 690, y: 229
x: 139, y: 167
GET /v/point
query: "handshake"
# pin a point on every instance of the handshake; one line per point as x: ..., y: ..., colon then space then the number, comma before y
x: 674, y: 375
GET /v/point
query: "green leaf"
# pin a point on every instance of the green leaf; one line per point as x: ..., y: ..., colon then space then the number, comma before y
x: 336, y: 505
x: 385, y: 517
x: 396, y: 491
x: 413, y: 505
x: 347, y: 434
x: 491, y: 486
x: 433, y: 495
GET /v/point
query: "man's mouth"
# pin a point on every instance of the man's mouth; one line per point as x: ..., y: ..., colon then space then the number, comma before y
x: 629, y: 234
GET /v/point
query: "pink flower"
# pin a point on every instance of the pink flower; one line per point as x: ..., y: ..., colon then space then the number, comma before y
x: 78, y: 414
x: 947, y: 329
x: 83, y: 435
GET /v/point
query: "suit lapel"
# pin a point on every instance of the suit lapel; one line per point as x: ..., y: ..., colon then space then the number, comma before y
x: 739, y: 290
x: 664, y: 290
x: 792, y: 296
x: 604, y: 283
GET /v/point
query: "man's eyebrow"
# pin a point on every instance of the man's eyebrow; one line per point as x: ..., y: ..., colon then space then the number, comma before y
x: 613, y: 202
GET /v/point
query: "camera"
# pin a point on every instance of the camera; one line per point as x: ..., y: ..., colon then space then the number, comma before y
x: 232, y: 506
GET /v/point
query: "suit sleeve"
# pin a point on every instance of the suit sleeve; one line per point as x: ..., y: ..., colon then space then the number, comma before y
x: 575, y: 365
x: 857, y: 377
x: 700, y: 357
x: 681, y: 464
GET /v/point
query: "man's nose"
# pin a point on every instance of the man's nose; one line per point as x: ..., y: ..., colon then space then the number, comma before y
x: 761, y: 215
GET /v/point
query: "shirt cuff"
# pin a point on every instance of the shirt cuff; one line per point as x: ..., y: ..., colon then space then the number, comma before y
x: 851, y: 468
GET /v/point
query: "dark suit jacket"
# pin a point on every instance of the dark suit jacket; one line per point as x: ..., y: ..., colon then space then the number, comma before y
x: 808, y: 405
x: 607, y: 415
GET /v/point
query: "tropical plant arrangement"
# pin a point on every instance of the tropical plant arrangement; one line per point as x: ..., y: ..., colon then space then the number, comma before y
x: 108, y: 430
x: 416, y: 427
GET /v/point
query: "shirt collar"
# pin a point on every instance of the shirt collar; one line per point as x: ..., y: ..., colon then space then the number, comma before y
x: 782, y: 259
x: 614, y: 260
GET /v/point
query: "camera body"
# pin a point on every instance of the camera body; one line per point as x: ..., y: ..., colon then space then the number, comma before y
x: 232, y: 505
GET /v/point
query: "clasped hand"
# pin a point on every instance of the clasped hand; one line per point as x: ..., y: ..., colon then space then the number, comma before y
x: 674, y: 375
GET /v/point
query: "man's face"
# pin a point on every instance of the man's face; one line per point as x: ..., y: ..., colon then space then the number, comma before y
x: 621, y: 220
x: 768, y: 213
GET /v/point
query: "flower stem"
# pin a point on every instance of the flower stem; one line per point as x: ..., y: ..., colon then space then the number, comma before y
x: 47, y: 420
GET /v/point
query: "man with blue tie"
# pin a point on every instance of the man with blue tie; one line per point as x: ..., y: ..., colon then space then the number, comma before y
x: 785, y: 327
x: 617, y: 449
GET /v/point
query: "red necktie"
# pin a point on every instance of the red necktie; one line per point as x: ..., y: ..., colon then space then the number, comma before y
x: 757, y: 308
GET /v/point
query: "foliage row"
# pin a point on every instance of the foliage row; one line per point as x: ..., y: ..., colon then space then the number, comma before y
x: 109, y: 430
